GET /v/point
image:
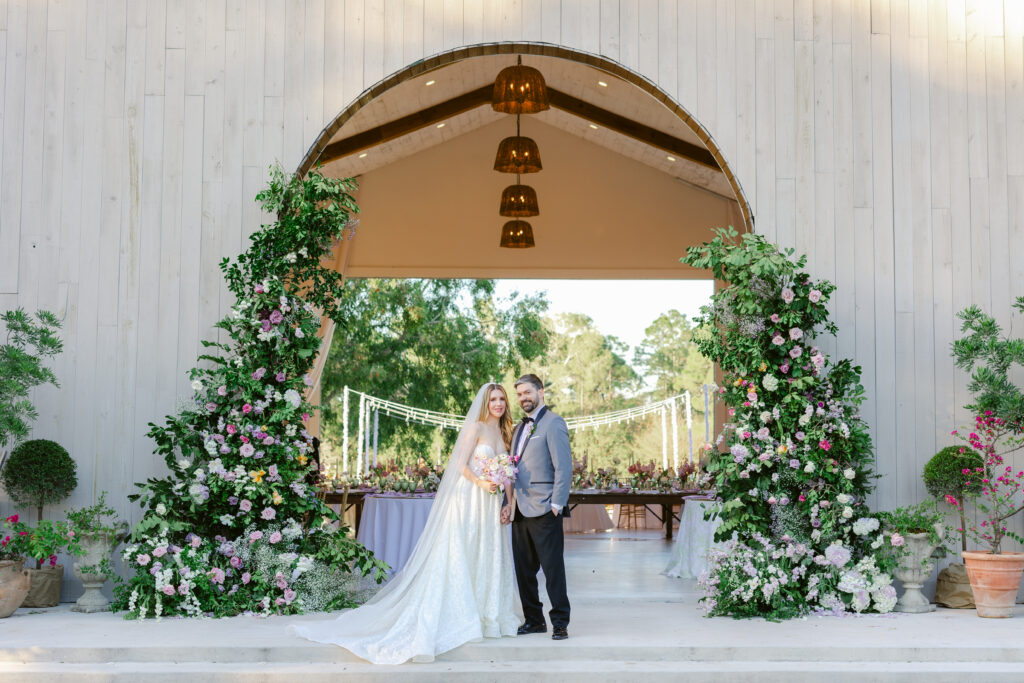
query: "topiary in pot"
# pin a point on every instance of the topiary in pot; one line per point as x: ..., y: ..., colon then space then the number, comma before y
x: 944, y: 478
x: 38, y: 473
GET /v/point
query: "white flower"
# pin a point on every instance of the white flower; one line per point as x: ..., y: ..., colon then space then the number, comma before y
x: 765, y: 416
x: 847, y: 512
x: 770, y: 382
x: 804, y: 419
x: 865, y: 525
x: 843, y: 498
x: 197, y: 385
x: 299, y: 334
x: 161, y: 509
x: 809, y: 468
x: 816, y: 535
x: 184, y: 463
x: 227, y: 520
x: 304, y: 252
x: 238, y: 362
x: 292, y: 398
x: 291, y: 257
x: 849, y: 473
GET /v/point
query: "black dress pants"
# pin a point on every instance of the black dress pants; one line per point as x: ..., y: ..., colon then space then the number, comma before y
x: 538, y: 543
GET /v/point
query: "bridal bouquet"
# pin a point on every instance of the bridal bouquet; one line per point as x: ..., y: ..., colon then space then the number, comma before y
x: 500, y: 470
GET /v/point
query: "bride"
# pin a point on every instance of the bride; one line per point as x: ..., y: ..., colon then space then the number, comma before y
x: 458, y: 584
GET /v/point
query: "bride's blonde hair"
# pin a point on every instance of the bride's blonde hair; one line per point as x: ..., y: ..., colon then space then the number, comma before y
x: 505, y: 422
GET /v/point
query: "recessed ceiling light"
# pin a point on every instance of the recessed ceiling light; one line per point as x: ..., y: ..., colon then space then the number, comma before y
x: 440, y: 125
x: 671, y: 158
x: 430, y: 82
x: 602, y: 84
x: 593, y: 126
x: 363, y: 155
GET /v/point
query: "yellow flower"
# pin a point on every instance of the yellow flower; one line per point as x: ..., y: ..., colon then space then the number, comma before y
x: 301, y: 458
x: 736, y: 383
x: 764, y: 366
x: 257, y: 475
x: 781, y: 450
x: 277, y: 498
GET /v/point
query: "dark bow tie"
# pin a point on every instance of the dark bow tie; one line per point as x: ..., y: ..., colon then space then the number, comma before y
x: 527, y: 419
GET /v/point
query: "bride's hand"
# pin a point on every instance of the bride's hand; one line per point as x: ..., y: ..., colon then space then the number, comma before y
x: 488, y: 486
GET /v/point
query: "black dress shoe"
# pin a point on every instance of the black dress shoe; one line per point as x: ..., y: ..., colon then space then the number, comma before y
x: 526, y: 629
x: 560, y: 633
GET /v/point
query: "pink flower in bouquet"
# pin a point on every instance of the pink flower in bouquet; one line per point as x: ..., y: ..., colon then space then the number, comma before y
x: 795, y: 352
x: 159, y: 551
x: 289, y: 595
x: 255, y: 536
x: 183, y: 589
x: 778, y: 340
x: 280, y: 581
x: 276, y: 317
x: 247, y: 450
x: 259, y: 289
x: 814, y: 296
x: 246, y: 578
x: 897, y: 540
x: 774, y: 317
x: 142, y: 559
x: 216, y: 575
x: 258, y: 373
x: 230, y: 429
x: 236, y: 562
x: 824, y: 445
x: 788, y: 295
x: 268, y: 514
x: 275, y: 537
x: 222, y: 390
x: 168, y: 590
x: 247, y: 409
x: 268, y: 441
x: 245, y: 505
x: 196, y: 542
x: 279, y: 602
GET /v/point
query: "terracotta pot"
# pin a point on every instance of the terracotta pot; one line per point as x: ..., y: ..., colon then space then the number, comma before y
x: 14, y: 585
x: 45, y: 590
x: 994, y: 581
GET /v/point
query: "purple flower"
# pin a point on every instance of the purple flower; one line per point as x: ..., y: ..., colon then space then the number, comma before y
x: 784, y: 501
x: 245, y: 505
x: 784, y: 368
x: 258, y: 373
x: 246, y: 577
x: 269, y: 441
x: 232, y: 500
x: 196, y: 542
x: 794, y: 463
x: 276, y: 317
x: 280, y: 377
x: 265, y: 326
x: 247, y: 450
x: 236, y: 562
x: 222, y: 390
x: 800, y: 436
x: 280, y: 581
x: 795, y: 352
x: 268, y: 513
x: 211, y: 406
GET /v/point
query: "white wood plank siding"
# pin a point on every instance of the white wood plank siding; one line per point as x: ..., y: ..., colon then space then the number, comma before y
x: 882, y: 138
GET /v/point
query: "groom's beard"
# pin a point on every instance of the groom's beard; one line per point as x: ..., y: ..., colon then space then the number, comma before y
x: 527, y: 406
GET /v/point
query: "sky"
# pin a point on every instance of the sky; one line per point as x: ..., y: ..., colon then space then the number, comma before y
x: 622, y: 308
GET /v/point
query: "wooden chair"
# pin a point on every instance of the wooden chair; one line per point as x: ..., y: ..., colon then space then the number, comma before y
x: 636, y: 516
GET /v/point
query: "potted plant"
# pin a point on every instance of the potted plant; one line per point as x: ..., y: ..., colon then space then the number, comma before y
x: 993, y: 572
x: 14, y: 578
x: 38, y: 473
x: 98, y: 532
x: 41, y: 543
x: 949, y: 476
x: 915, y: 533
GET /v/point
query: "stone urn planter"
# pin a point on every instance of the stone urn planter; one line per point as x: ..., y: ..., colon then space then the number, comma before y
x: 915, y: 566
x: 98, y: 548
x: 45, y: 588
x: 14, y: 585
x: 994, y: 580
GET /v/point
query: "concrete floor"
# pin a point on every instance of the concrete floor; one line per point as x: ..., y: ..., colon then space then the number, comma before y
x: 628, y: 621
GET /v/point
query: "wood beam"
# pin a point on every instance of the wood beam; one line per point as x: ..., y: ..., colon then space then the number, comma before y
x: 482, y: 96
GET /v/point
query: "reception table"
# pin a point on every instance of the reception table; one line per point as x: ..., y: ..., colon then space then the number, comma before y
x: 391, y: 525
x: 658, y: 503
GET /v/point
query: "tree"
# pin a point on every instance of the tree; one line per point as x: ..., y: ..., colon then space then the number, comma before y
x: 426, y: 343
x: 584, y: 373
x: 28, y: 342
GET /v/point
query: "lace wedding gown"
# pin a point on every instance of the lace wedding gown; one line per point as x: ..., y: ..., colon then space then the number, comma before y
x: 458, y: 586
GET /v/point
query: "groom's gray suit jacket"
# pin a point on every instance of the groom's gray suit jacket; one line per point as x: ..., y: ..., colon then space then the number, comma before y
x: 545, y: 470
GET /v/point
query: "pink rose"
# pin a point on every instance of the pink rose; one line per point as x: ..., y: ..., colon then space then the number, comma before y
x: 795, y: 352
x: 168, y: 589
x: 897, y: 540
x: 196, y: 542
x: 142, y: 559
x: 245, y: 505
x: 159, y: 551
x: 231, y: 429
x: 795, y: 333
x: 268, y: 513
x: 275, y: 537
x: 824, y: 445
x: 256, y: 535
x: 222, y: 390
x: 788, y: 295
x: 778, y: 340
x: 247, y: 409
x: 814, y: 296
x: 289, y: 595
x: 246, y: 577
x: 774, y: 317
x: 269, y: 441
x: 236, y: 561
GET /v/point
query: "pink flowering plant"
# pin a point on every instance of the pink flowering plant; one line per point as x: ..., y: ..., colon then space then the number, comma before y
x: 41, y: 542
x: 1001, y: 495
x: 797, y: 469
x: 239, y: 455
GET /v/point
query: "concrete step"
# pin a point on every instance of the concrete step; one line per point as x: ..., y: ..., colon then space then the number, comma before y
x: 508, y: 650
x: 516, y: 672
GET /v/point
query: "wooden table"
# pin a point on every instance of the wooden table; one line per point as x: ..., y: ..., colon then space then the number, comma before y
x: 665, y: 500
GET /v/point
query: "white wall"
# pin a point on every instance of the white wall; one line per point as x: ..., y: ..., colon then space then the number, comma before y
x: 883, y: 139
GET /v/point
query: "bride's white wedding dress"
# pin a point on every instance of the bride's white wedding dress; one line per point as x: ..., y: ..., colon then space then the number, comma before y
x: 457, y: 587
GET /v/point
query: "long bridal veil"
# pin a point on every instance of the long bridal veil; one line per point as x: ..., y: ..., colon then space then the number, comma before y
x: 397, y: 624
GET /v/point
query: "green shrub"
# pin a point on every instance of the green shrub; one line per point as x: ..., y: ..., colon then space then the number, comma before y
x: 944, y: 478
x: 38, y: 473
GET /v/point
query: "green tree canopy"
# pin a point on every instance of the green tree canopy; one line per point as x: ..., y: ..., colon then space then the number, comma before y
x: 426, y: 343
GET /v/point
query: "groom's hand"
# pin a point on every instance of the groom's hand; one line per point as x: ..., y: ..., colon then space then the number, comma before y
x: 506, y: 514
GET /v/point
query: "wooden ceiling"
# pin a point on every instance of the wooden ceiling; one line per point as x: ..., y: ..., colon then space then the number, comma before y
x: 414, y: 116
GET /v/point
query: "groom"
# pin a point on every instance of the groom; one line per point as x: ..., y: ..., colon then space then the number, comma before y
x: 540, y: 447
